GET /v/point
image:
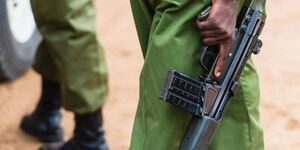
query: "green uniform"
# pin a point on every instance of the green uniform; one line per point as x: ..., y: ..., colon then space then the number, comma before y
x: 169, y: 39
x: 70, y: 53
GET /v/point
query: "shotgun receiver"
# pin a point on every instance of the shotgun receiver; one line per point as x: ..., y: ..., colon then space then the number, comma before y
x: 208, y: 97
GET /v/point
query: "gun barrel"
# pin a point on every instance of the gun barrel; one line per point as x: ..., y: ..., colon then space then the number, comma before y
x: 195, y: 138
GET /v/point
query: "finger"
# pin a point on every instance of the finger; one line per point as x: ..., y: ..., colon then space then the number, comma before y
x: 215, y: 40
x: 211, y: 33
x: 204, y: 25
x: 223, y: 56
x: 220, y: 62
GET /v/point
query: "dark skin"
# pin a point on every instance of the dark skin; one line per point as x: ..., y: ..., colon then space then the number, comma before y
x: 219, y: 28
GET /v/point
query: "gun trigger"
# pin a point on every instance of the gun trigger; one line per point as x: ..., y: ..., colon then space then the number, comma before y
x: 234, y: 88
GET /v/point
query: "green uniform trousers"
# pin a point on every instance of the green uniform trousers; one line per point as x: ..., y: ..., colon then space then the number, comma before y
x: 169, y: 39
x: 70, y: 52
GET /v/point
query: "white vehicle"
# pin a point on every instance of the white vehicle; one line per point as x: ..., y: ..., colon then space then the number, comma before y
x: 19, y: 38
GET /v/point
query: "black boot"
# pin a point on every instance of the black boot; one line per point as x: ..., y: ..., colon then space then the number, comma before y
x: 88, y: 134
x: 44, y: 122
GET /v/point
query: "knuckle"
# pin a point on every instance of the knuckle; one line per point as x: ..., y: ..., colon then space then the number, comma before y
x: 206, y: 42
x: 223, y: 30
x: 227, y: 35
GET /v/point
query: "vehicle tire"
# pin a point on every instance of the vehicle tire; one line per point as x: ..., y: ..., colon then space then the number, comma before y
x: 19, y: 38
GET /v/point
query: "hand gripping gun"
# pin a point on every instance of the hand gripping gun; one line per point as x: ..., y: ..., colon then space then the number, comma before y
x: 208, y: 97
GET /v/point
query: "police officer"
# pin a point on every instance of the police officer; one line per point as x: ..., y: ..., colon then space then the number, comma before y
x: 74, y: 75
x: 170, y: 37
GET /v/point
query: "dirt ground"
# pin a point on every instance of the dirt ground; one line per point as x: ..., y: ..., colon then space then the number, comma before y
x: 277, y: 66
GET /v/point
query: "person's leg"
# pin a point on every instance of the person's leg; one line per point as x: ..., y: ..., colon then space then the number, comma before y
x: 69, y: 32
x: 44, y: 122
x: 173, y: 42
x: 68, y: 29
x: 88, y: 135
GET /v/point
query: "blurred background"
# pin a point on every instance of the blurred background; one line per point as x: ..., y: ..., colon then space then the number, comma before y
x: 277, y: 65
